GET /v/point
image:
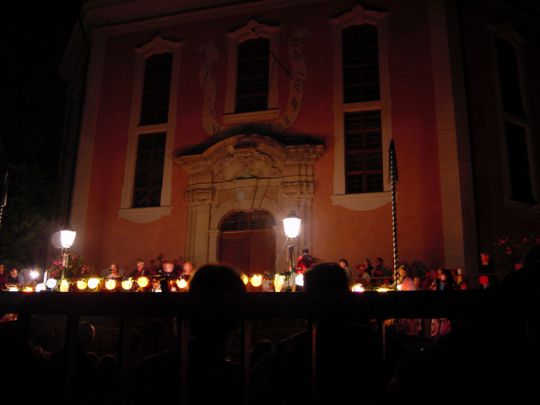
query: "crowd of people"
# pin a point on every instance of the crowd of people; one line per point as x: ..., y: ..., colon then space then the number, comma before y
x: 348, y: 358
x: 167, y: 268
x: 157, y: 273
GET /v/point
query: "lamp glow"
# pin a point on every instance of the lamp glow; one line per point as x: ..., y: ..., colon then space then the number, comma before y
x: 382, y: 289
x: 358, y: 288
x: 127, y: 284
x: 279, y: 281
x: 64, y: 285
x: 13, y: 288
x: 291, y: 225
x: 27, y: 289
x: 110, y: 284
x: 67, y: 237
x: 51, y: 283
x: 245, y: 279
x: 143, y: 282
x: 82, y: 284
x: 34, y: 274
x: 40, y: 287
x: 256, y: 280
x: 93, y: 283
x: 181, y: 283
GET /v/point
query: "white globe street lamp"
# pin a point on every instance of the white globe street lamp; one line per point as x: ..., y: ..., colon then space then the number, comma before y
x: 291, y: 226
x: 67, y: 237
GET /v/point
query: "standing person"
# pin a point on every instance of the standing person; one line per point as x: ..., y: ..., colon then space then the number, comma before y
x: 139, y: 270
x: 213, y: 378
x: 291, y: 358
x: 304, y: 262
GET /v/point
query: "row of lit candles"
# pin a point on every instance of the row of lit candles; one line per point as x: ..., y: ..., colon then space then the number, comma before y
x: 141, y: 283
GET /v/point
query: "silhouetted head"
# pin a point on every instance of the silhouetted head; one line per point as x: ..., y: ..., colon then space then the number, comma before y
x: 531, y: 256
x: 86, y: 335
x: 326, y: 278
x: 343, y: 263
x: 215, y: 328
x: 217, y: 278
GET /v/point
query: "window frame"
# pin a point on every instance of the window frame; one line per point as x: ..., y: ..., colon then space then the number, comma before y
x: 140, y: 170
x: 149, y: 214
x: 252, y: 30
x: 507, y: 33
x: 370, y: 200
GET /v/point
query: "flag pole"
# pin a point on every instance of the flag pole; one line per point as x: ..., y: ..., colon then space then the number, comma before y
x: 393, y: 182
x: 3, y: 203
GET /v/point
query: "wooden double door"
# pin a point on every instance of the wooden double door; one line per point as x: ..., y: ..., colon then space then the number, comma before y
x: 250, y: 250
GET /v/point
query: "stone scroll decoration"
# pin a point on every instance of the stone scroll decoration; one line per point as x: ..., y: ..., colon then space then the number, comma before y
x: 296, y: 74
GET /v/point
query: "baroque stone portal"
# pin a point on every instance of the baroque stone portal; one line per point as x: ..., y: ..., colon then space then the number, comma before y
x: 248, y: 172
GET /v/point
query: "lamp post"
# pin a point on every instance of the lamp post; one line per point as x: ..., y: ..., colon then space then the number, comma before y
x: 291, y: 226
x: 67, y: 237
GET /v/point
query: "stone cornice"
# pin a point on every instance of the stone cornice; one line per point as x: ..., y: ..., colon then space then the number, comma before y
x: 104, y: 18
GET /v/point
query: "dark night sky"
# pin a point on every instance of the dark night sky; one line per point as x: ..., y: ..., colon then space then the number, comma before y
x: 34, y: 36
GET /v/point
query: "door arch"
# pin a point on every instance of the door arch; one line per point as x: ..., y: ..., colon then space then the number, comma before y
x: 248, y: 241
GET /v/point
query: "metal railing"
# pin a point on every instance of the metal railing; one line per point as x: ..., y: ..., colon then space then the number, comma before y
x: 184, y: 307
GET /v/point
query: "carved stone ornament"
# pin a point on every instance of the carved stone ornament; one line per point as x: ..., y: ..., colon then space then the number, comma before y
x: 199, y: 196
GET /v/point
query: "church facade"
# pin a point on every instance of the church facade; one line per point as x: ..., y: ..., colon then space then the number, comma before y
x: 204, y: 124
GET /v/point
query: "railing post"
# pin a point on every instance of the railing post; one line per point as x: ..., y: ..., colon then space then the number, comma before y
x: 70, y: 352
x: 182, y: 333
x: 23, y: 325
x: 123, y: 363
x: 245, y: 337
x: 381, y: 329
x: 312, y: 325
